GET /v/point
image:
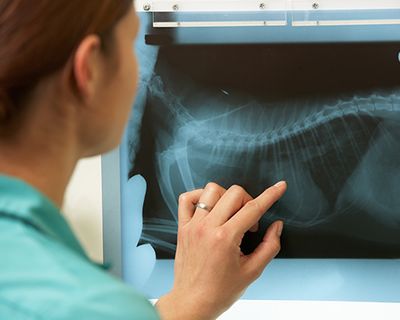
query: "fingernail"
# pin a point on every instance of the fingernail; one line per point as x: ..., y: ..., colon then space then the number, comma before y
x: 280, y: 184
x: 279, y: 228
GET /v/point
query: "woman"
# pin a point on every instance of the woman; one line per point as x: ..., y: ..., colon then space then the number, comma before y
x: 67, y: 81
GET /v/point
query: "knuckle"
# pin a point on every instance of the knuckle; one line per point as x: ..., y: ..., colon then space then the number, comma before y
x: 184, y: 197
x: 222, y: 239
x: 221, y: 235
x: 213, y: 187
x: 255, y: 273
x: 253, y: 205
x: 237, y: 189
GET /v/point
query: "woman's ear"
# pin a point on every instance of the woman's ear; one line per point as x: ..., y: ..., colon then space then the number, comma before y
x: 86, y: 66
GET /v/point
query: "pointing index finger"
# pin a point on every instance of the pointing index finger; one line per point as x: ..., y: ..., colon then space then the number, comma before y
x: 252, y: 212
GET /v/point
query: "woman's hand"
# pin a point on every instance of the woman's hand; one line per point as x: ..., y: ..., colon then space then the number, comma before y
x: 211, y: 272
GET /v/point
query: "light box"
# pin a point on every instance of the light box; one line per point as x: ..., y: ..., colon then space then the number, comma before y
x: 319, y: 108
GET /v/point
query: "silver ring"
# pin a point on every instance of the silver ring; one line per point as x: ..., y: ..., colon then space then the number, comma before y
x: 203, y: 206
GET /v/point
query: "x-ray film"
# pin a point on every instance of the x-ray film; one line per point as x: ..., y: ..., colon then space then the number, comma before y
x: 324, y: 118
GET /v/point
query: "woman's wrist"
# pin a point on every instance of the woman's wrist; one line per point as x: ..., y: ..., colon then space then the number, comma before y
x: 176, y: 307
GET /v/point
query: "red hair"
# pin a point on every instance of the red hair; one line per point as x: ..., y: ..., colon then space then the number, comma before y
x: 38, y: 37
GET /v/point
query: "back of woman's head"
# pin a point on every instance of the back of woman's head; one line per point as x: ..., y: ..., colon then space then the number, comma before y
x: 38, y: 37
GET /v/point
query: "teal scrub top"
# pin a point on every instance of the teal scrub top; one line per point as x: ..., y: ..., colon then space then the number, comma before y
x: 44, y: 272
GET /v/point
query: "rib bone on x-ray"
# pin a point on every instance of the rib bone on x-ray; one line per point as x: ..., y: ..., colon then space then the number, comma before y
x: 326, y: 120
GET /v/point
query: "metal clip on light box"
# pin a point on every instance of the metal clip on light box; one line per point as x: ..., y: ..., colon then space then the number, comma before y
x: 272, y: 21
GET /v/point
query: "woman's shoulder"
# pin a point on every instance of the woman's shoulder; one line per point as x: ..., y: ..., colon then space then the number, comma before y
x: 42, y: 278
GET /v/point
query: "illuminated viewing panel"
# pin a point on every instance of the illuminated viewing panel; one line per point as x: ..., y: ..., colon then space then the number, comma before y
x: 323, y: 118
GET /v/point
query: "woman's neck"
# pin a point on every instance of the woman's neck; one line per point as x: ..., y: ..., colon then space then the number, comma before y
x: 43, y: 157
x: 47, y: 170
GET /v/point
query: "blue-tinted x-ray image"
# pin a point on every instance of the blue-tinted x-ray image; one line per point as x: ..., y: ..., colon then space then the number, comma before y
x: 325, y: 118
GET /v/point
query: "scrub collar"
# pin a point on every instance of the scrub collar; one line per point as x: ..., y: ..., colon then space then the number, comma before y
x: 22, y: 202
